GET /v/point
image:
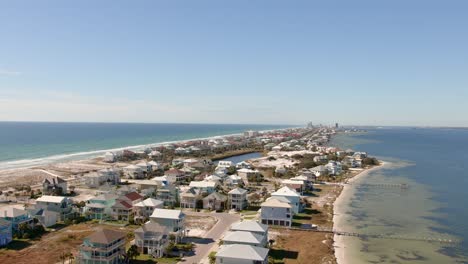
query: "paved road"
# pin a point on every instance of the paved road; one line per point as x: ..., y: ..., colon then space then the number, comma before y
x: 204, y: 245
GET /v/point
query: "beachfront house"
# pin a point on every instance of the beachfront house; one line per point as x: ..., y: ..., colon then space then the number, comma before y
x: 6, y: 232
x: 276, y: 211
x: 103, y: 247
x: 251, y: 226
x: 104, y: 176
x: 241, y: 254
x: 238, y: 199
x: 173, y: 220
x: 291, y: 195
x: 144, y: 209
x: 152, y: 239
x: 16, y: 216
x: 110, y: 157
x: 155, y: 155
x: 52, y: 209
x: 54, y: 185
x: 215, y: 201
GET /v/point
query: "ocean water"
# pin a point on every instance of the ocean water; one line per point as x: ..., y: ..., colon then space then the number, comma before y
x: 31, y: 143
x: 433, y: 164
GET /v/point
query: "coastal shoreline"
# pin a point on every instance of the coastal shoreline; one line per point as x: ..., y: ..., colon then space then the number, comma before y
x: 338, y: 212
x: 92, y: 154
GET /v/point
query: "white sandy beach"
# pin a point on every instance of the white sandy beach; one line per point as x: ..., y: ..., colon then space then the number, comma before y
x: 339, y: 207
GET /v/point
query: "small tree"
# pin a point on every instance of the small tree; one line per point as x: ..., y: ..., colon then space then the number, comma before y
x: 133, y: 252
x: 212, y: 257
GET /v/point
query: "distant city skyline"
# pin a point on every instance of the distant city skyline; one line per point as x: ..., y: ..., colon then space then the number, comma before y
x: 378, y: 63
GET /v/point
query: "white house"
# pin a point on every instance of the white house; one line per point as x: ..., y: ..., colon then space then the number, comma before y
x: 241, y: 254
x: 145, y: 208
x: 276, y: 148
x: 334, y: 167
x: 204, y: 186
x: 244, y: 238
x: 133, y: 172
x: 53, y: 209
x: 233, y: 180
x: 319, y: 170
x: 104, y: 176
x: 193, y: 163
x: 280, y: 170
x: 110, y: 157
x: 276, y: 211
x: 174, y: 220
x: 145, y: 166
x: 155, y: 154
x: 224, y: 164
x: 251, y: 226
x: 291, y: 195
x: 243, y: 165
x: 213, y: 178
x: 249, y: 175
x: 237, y: 199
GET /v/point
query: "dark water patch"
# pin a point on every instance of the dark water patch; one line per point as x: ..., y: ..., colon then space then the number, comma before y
x: 411, y: 256
x: 454, y: 252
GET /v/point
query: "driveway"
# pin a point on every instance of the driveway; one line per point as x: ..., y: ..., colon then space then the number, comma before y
x: 204, y: 245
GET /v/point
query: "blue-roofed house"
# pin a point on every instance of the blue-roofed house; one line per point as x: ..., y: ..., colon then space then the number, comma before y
x: 6, y: 232
x: 16, y: 216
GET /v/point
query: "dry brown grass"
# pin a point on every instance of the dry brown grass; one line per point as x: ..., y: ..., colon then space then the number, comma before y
x: 306, y: 246
x: 49, y: 248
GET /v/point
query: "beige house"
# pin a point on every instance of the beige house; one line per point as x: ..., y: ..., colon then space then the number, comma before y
x: 152, y: 239
x: 215, y: 201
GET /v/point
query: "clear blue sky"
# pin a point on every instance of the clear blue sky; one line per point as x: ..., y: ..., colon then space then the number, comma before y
x: 353, y: 62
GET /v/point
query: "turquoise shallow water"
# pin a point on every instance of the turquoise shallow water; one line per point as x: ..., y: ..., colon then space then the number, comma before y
x: 432, y: 163
x: 29, y: 143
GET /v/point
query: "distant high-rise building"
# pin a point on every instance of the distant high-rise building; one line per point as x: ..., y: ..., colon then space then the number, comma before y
x: 310, y: 125
x: 336, y: 125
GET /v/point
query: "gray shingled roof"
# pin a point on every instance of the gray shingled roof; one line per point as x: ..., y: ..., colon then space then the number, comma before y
x: 245, y: 252
x: 106, y: 236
